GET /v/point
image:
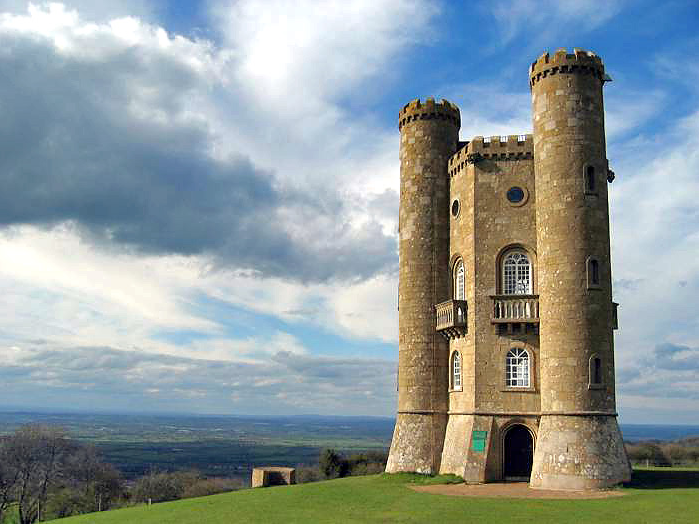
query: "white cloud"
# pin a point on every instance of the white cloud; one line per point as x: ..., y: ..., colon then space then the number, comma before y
x: 655, y: 239
x: 491, y: 109
x: 101, y: 11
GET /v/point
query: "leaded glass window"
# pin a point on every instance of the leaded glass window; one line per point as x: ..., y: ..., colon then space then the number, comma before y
x: 459, y: 281
x: 456, y: 370
x: 516, y: 274
x: 517, y: 368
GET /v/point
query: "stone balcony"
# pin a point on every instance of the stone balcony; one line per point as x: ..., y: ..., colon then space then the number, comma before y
x: 451, y: 318
x: 515, y: 309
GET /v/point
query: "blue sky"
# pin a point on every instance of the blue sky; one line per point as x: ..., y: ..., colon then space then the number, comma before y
x: 199, y: 205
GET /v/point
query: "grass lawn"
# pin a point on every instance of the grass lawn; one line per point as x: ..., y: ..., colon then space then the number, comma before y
x: 656, y: 495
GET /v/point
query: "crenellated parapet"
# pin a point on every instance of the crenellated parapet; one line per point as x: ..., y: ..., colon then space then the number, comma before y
x: 429, y: 110
x: 561, y: 62
x: 506, y: 147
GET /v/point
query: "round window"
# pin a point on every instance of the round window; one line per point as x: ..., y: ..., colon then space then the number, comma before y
x: 515, y: 194
x: 455, y: 208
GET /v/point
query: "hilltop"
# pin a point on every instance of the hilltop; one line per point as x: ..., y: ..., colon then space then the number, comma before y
x: 654, y: 496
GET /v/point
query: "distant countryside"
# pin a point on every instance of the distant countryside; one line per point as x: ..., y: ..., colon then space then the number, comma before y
x: 113, y: 461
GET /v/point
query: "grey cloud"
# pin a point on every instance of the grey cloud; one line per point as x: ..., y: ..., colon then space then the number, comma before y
x: 628, y: 284
x: 671, y: 371
x: 675, y: 357
x: 111, y: 378
x: 69, y: 151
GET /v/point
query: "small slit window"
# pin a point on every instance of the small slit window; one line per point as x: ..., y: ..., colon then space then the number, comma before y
x: 595, y: 371
x: 590, y: 183
x: 456, y: 370
x: 459, y: 281
x: 593, y: 273
x: 517, y: 368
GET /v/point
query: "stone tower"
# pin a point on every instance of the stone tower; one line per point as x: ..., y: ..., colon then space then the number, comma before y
x: 429, y: 136
x: 579, y: 445
x: 506, y: 351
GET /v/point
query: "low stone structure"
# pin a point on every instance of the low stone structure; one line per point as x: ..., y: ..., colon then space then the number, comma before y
x: 273, y: 476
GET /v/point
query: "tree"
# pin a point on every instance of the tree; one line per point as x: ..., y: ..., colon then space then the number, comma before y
x: 99, y: 484
x: 331, y: 464
x: 8, y: 480
x: 161, y: 487
x: 36, y: 454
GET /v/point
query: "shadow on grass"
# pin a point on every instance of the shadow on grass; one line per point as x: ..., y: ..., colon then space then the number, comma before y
x: 663, y: 479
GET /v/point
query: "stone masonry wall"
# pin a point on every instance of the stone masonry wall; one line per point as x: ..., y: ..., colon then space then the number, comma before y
x: 572, y: 226
x: 429, y: 136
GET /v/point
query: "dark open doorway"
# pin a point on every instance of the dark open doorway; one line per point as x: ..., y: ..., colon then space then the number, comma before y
x: 519, y: 453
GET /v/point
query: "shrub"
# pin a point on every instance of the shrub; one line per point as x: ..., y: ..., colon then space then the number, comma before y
x: 332, y: 465
x: 204, y: 487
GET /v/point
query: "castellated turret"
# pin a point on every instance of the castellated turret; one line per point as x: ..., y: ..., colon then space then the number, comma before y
x: 429, y: 136
x: 506, y: 351
x: 579, y: 444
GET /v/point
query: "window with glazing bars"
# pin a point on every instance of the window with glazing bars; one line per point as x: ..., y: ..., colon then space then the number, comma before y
x: 459, y: 281
x: 517, y: 368
x: 516, y: 274
x: 456, y: 370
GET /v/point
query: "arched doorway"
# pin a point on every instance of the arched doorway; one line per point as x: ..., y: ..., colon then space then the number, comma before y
x: 519, y: 453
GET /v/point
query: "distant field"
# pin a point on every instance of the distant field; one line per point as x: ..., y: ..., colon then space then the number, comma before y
x: 665, y: 495
x: 221, y: 446
x: 230, y: 446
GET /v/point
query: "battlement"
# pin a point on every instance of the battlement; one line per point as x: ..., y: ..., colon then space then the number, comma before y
x: 429, y: 109
x: 579, y: 62
x: 506, y: 147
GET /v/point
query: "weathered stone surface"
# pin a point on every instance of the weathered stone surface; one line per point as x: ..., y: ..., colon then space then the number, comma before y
x: 564, y: 322
x: 584, y: 452
x: 429, y: 136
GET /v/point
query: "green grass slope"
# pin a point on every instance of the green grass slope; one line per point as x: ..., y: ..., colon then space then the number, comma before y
x: 654, y: 496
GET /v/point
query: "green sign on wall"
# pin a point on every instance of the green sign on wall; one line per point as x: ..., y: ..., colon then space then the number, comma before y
x: 478, y: 441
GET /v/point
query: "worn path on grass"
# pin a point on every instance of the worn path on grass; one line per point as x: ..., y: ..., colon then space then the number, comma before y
x: 512, y: 490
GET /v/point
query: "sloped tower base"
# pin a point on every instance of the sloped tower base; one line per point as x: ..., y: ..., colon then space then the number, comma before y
x: 579, y: 453
x: 417, y: 443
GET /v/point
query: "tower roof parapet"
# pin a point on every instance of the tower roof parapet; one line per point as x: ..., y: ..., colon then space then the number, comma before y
x: 580, y: 61
x: 429, y: 109
x: 504, y: 147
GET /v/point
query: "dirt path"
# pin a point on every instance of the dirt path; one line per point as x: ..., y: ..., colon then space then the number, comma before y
x: 512, y: 490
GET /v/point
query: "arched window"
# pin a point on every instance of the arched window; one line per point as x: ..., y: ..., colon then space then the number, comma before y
x: 517, y: 368
x: 593, y: 273
x: 459, y: 281
x: 455, y: 370
x: 595, y: 370
x: 516, y: 274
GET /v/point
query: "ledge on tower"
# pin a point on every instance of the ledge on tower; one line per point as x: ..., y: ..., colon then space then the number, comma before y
x: 522, y: 309
x: 451, y: 318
